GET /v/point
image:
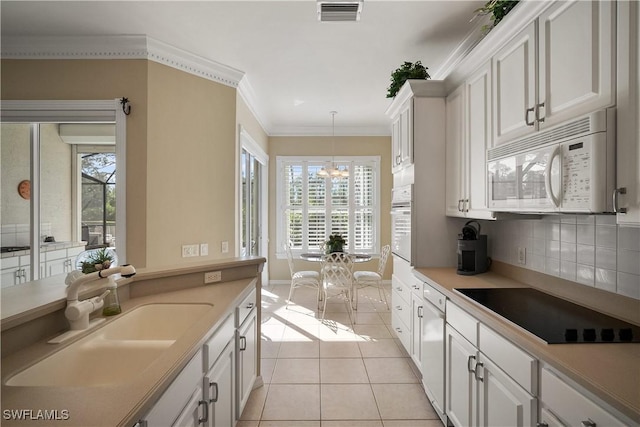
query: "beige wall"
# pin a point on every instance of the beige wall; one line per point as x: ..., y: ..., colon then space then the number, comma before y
x: 190, y: 165
x: 322, y: 146
x: 96, y: 80
x: 181, y: 148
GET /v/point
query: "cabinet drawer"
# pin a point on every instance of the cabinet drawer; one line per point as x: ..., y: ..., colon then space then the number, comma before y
x: 401, y: 308
x: 521, y: 367
x: 401, y: 288
x: 216, y: 344
x: 569, y: 405
x: 57, y: 254
x: 245, y: 307
x: 402, y: 330
x: 462, y: 322
x: 10, y: 262
x: 433, y: 296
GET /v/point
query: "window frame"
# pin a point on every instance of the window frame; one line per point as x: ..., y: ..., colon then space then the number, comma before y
x: 282, y: 205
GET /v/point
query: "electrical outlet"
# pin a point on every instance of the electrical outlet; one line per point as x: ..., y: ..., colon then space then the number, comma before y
x: 225, y: 247
x: 522, y: 256
x: 212, y: 276
x: 190, y: 250
x: 204, y: 249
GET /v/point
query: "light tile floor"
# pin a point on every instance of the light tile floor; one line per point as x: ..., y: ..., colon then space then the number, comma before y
x: 333, y: 373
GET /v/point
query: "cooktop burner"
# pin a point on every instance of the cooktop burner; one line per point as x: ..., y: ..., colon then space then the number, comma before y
x: 553, y: 319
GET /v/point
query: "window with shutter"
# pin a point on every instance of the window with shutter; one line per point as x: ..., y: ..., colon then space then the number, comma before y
x: 312, y: 207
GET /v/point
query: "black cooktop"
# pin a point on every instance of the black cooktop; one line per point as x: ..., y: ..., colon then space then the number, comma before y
x: 5, y: 249
x: 553, y: 319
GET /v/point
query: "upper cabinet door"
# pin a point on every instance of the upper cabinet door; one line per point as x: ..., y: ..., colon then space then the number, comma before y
x: 577, y: 56
x: 515, y: 86
x: 455, y: 154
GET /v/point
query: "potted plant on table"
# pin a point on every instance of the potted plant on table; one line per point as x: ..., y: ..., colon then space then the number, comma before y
x: 335, y: 243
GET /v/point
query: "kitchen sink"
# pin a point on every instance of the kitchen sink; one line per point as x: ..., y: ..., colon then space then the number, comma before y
x: 117, y: 352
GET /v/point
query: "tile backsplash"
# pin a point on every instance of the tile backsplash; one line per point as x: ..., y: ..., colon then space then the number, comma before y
x: 19, y: 234
x: 589, y: 249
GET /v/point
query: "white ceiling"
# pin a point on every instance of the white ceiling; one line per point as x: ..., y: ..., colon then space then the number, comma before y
x: 299, y: 69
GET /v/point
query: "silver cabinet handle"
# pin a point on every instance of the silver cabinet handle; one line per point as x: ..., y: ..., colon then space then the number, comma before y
x: 616, y: 206
x: 542, y: 424
x: 205, y: 412
x: 588, y: 423
x: 215, y: 387
x: 398, y: 330
x: 526, y: 116
x: 465, y: 205
x: 398, y: 307
x: 477, y: 371
x: 249, y: 306
x: 459, y: 207
x: 538, y: 118
x: 243, y: 343
x: 420, y: 314
x: 471, y: 357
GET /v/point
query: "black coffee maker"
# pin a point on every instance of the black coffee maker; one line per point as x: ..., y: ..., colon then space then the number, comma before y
x: 472, y: 250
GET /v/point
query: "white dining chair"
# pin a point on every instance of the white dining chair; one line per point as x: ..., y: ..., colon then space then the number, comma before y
x: 337, y: 279
x: 373, y: 278
x: 301, y: 278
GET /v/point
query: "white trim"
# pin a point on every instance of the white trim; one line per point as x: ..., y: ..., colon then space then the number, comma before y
x: 248, y: 95
x: 119, y: 47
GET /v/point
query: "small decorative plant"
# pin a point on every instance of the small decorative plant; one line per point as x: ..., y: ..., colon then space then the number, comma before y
x: 99, y: 260
x: 335, y: 243
x: 408, y: 70
x: 498, y: 9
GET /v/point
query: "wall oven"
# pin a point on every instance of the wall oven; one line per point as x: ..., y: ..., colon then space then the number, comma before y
x: 402, y: 243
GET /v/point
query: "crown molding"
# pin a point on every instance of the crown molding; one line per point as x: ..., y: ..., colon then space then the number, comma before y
x: 119, y: 47
x: 325, y: 131
x: 520, y: 17
x: 246, y: 92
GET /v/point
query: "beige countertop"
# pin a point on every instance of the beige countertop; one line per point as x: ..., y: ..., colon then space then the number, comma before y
x: 122, y: 404
x: 610, y: 371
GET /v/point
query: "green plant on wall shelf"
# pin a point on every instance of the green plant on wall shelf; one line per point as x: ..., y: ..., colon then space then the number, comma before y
x: 498, y: 9
x: 406, y: 71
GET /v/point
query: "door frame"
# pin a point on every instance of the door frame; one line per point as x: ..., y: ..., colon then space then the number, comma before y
x: 246, y: 142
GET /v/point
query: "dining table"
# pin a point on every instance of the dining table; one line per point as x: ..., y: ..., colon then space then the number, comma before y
x: 318, y: 256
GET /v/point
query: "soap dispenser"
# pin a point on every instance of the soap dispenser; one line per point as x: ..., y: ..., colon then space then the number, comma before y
x: 111, y: 301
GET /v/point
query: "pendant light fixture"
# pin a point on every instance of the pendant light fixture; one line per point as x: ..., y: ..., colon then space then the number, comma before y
x: 333, y: 171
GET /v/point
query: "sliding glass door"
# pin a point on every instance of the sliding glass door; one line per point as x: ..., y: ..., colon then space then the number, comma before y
x: 250, y: 175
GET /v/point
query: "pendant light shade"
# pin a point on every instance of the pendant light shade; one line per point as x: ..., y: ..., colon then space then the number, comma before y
x: 333, y: 171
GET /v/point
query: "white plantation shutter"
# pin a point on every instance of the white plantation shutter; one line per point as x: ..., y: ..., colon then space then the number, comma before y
x: 312, y: 207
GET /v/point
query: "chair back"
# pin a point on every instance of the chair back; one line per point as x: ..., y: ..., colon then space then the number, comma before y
x: 337, y: 269
x: 287, y: 249
x: 382, y: 262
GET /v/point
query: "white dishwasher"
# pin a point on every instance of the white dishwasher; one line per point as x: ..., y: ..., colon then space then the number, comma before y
x: 433, y: 348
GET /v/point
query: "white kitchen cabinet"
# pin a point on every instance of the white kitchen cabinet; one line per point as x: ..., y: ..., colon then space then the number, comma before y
x: 454, y: 154
x: 194, y: 413
x: 59, y: 261
x: 559, y: 67
x: 417, y: 307
x: 402, y: 137
x: 401, y: 318
x: 246, y: 351
x: 568, y: 405
x: 219, y: 387
x: 628, y: 111
x: 15, y: 270
x: 468, y: 135
x: 493, y: 389
x: 501, y: 401
x: 461, y: 389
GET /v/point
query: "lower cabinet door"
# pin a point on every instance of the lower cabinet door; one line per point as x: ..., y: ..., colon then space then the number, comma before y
x: 220, y: 389
x: 502, y: 402
x: 247, y: 370
x: 195, y: 413
x: 461, y: 390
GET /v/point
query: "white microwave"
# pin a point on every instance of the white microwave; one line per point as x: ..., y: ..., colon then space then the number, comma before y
x: 569, y: 168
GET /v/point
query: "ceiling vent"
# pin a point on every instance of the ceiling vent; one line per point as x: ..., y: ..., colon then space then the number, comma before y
x: 339, y: 11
